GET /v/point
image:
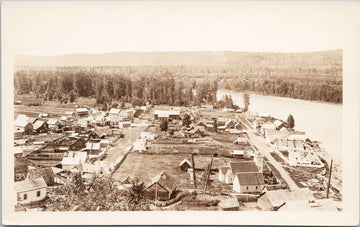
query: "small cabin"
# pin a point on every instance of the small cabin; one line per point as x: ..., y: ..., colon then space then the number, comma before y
x: 185, y: 165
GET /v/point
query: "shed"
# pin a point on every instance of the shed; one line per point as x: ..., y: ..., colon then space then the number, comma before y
x: 185, y: 165
x: 231, y: 204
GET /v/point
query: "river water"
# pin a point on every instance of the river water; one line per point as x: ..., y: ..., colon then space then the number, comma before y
x: 320, y: 121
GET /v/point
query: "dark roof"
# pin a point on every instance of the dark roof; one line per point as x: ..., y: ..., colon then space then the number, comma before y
x: 32, y: 120
x: 243, y: 167
x: 250, y: 178
x: 38, y: 124
x: 165, y: 181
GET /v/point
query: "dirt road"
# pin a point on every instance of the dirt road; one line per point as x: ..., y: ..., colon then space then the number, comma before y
x: 265, y: 149
x: 131, y: 134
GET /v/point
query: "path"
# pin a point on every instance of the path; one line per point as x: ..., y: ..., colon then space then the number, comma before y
x: 130, y: 135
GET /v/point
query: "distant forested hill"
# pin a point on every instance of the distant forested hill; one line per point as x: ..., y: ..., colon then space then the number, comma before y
x: 324, y: 62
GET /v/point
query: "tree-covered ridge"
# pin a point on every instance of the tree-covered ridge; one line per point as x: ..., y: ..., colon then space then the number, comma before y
x: 179, y: 85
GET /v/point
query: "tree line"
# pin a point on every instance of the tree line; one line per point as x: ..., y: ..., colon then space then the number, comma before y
x: 67, y: 85
x: 173, y: 85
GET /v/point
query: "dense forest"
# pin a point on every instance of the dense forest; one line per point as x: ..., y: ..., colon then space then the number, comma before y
x: 67, y: 84
x: 183, y: 78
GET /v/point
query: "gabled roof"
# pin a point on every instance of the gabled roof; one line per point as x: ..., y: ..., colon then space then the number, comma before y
x: 114, y: 111
x: 250, y: 178
x: 243, y: 167
x: 38, y: 124
x: 21, y: 122
x: 185, y: 161
x: 30, y: 184
x: 52, y: 121
x: 32, y: 120
x: 165, y: 181
x: 278, y: 197
x: 278, y: 123
x: 229, y: 203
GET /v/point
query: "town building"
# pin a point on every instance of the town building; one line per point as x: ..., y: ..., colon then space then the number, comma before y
x: 245, y: 182
x: 240, y: 167
x: 161, y: 187
x: 54, y: 124
x: 82, y: 112
x: 23, y: 126
x: 30, y: 190
x: 167, y: 115
x: 40, y: 126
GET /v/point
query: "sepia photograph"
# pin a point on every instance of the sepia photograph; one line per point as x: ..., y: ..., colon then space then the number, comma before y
x: 174, y: 110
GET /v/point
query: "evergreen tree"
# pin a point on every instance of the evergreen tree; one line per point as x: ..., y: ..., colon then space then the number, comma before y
x: 186, y: 121
x: 291, y: 121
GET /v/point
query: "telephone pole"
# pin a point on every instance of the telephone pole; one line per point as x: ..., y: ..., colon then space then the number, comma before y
x: 327, y: 193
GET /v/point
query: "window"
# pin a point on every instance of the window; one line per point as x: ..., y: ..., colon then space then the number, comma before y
x: 25, y: 196
x: 247, y: 187
x: 38, y: 193
x: 256, y: 187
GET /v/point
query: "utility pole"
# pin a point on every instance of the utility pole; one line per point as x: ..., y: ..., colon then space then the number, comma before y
x: 155, y: 195
x: 327, y: 193
x: 208, y: 174
x: 193, y: 167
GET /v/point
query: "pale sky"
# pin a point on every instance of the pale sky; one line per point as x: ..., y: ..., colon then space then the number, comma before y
x: 55, y: 28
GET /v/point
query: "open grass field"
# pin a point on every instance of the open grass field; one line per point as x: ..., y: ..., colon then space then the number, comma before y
x: 33, y: 111
x: 146, y: 166
x: 53, y: 108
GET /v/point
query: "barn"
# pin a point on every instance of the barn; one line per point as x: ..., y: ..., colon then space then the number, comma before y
x: 162, y: 187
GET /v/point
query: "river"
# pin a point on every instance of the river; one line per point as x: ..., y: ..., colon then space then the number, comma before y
x: 320, y: 121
